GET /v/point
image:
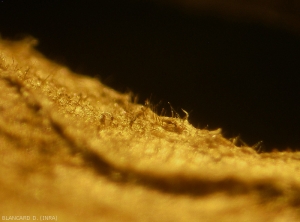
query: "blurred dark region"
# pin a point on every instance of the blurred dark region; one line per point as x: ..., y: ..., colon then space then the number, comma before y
x: 239, y: 76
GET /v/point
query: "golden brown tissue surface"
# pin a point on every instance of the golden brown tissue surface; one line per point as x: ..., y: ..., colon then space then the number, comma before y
x: 73, y: 148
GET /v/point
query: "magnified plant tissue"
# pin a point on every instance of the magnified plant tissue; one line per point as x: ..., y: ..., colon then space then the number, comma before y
x: 73, y: 149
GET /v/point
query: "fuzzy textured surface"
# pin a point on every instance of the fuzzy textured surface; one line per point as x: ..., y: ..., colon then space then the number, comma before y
x: 72, y: 148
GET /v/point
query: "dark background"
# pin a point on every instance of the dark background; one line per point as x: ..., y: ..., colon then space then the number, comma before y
x: 237, y: 75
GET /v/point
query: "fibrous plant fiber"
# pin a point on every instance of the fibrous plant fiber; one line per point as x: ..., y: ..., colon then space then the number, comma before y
x: 73, y: 148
